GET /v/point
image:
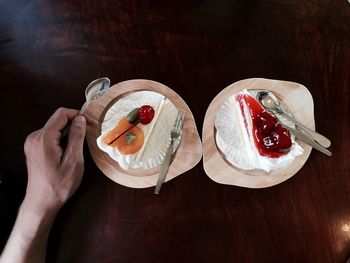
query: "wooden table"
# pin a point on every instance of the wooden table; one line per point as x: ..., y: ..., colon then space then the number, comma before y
x: 49, y: 52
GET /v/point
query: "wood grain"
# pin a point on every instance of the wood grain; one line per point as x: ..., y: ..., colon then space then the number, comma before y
x: 188, y: 154
x: 299, y: 103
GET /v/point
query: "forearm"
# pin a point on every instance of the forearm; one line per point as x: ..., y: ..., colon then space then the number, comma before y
x: 28, y: 239
x: 54, y: 174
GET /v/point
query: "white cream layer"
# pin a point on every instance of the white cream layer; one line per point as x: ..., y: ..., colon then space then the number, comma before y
x: 157, y: 133
x: 237, y: 143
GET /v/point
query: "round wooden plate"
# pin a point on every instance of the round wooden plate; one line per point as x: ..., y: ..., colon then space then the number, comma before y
x: 188, y: 154
x: 298, y: 101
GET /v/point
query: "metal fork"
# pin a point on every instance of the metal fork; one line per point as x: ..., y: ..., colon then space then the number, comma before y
x: 175, y: 133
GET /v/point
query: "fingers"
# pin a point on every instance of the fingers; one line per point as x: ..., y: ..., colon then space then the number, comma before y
x: 76, y: 137
x: 60, y: 119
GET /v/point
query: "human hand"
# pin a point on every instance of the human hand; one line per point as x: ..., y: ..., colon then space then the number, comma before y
x: 54, y: 174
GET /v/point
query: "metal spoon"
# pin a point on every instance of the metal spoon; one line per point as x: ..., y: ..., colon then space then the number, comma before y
x: 94, y: 90
x: 270, y: 102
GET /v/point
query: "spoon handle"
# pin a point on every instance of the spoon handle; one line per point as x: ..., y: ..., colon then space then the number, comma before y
x: 319, y: 138
x: 309, y: 141
x: 65, y: 131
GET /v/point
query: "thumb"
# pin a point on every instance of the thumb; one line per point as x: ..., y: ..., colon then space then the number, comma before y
x: 76, y: 137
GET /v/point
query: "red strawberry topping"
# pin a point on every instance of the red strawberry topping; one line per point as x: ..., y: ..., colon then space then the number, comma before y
x: 145, y: 114
x: 271, y: 138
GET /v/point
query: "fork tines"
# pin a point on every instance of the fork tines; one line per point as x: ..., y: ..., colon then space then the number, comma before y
x: 179, y: 120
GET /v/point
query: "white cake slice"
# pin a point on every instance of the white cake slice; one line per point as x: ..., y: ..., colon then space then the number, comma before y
x: 235, y: 139
x: 156, y: 133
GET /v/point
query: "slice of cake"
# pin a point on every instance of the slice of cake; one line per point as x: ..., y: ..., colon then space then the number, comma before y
x: 136, y: 130
x: 250, y: 137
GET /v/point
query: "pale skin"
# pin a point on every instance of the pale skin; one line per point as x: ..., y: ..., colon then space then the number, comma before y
x: 54, y: 174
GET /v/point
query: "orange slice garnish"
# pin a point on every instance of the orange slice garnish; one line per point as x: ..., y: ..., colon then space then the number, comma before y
x: 128, y: 143
x: 121, y: 127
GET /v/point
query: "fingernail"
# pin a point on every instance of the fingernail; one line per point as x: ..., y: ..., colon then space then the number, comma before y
x: 79, y: 120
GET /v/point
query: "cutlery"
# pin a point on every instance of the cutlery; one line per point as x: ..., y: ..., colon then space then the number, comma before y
x: 308, y: 140
x: 174, y: 134
x: 94, y: 90
x: 271, y: 103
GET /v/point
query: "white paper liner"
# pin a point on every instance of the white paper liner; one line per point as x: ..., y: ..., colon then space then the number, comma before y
x: 159, y: 139
x: 238, y: 146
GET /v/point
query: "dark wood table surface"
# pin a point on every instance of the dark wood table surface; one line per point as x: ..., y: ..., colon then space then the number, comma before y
x: 50, y: 51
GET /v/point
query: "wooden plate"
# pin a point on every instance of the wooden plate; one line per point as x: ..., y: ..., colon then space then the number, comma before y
x: 298, y: 101
x: 186, y: 156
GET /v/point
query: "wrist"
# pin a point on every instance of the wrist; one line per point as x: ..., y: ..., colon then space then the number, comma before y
x: 39, y: 218
x: 29, y: 236
x: 42, y: 207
